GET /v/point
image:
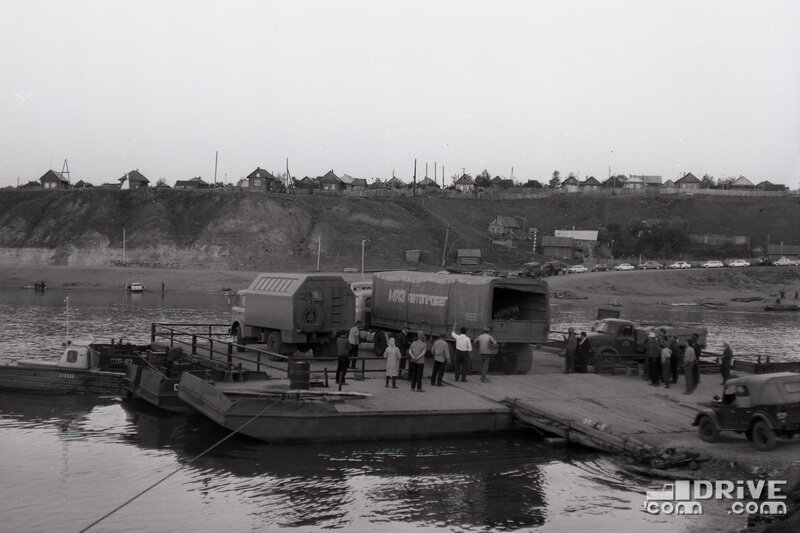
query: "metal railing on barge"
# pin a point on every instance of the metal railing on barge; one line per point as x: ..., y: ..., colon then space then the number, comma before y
x: 208, y: 341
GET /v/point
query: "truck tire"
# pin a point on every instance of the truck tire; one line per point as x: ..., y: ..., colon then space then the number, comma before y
x: 240, y: 340
x: 707, y: 429
x: 275, y: 345
x: 763, y: 436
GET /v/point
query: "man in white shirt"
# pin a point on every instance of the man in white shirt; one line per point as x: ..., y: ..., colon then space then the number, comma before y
x: 354, y: 338
x: 463, y: 349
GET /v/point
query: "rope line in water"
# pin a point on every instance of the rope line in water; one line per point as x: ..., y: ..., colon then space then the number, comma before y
x: 193, y: 459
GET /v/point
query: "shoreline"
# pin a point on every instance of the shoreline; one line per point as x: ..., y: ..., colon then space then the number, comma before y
x: 695, y: 286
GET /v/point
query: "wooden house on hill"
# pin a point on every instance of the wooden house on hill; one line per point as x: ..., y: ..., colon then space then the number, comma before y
x: 590, y: 184
x: 54, y: 180
x: 396, y: 183
x: 428, y: 184
x: 742, y: 183
x: 688, y: 181
x: 570, y: 184
x: 768, y: 186
x: 502, y: 183
x: 331, y: 182
x: 359, y: 184
x: 134, y: 180
x: 261, y: 180
x: 504, y: 226
x: 194, y: 183
x: 465, y: 183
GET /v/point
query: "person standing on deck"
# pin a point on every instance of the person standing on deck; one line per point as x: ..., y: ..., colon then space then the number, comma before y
x: 666, y: 367
x: 392, y: 356
x: 354, y: 338
x: 571, y: 341
x: 689, y: 364
x: 342, y: 357
x: 487, y: 347
x: 653, y: 351
x: 401, y: 340
x: 417, y: 354
x: 441, y: 357
x: 583, y: 353
x: 675, y: 358
x: 727, y: 360
x: 463, y: 349
x: 697, y: 351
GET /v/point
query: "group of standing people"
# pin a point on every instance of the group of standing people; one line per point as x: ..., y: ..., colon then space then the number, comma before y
x: 663, y: 361
x: 579, y: 352
x: 398, y: 350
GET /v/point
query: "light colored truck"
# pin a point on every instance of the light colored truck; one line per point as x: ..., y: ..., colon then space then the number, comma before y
x: 289, y: 312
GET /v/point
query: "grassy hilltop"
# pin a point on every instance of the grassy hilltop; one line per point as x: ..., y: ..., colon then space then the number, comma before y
x: 238, y: 230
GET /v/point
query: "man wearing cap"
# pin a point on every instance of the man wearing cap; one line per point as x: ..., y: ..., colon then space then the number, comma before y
x: 572, y: 344
x: 487, y: 347
x: 417, y: 352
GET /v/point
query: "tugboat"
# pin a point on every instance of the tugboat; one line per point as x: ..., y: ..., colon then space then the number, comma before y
x: 83, y: 367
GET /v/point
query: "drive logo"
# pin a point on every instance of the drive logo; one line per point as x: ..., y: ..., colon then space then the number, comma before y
x: 684, y: 497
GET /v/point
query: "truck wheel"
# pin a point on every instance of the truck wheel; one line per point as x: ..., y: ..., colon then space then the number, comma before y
x: 707, y: 429
x: 274, y: 344
x: 763, y: 436
x: 240, y: 340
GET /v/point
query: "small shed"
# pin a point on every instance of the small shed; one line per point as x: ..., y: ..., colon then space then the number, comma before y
x: 468, y: 256
x: 413, y: 256
x: 558, y: 247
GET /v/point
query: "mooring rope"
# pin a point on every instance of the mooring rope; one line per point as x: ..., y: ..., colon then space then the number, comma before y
x: 193, y: 459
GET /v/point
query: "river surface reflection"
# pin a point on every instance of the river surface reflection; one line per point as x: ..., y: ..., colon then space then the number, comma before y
x: 68, y: 460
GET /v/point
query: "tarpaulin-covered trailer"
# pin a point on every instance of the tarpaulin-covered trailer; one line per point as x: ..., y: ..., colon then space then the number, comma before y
x: 516, y: 309
x: 289, y: 311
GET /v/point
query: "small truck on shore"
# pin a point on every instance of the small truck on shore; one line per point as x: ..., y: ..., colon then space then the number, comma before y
x: 615, y: 341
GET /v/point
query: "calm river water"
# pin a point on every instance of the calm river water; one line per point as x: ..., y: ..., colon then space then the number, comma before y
x: 66, y: 461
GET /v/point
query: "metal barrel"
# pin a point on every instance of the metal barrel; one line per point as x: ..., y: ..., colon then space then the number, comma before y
x: 299, y: 374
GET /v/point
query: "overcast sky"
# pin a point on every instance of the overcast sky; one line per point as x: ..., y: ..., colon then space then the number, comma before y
x: 645, y: 87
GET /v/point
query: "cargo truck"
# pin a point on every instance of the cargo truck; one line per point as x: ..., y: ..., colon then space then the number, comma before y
x: 615, y: 341
x: 290, y: 312
x: 516, y: 309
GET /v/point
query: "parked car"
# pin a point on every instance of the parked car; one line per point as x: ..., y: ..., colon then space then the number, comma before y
x: 577, y: 269
x: 651, y: 265
x: 739, y: 263
x: 679, y: 264
x: 625, y: 267
x: 785, y: 261
x: 599, y: 268
x: 712, y: 264
x: 762, y: 406
x: 764, y: 261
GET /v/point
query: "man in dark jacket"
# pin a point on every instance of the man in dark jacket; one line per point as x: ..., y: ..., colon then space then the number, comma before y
x: 401, y: 341
x: 653, y: 351
x: 379, y: 343
x: 572, y: 345
x: 342, y: 357
x: 675, y: 358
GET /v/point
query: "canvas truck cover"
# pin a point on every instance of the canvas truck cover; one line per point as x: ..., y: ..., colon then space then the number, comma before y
x: 289, y: 301
x: 434, y: 302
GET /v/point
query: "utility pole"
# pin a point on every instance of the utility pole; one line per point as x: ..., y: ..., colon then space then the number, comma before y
x: 123, y: 246
x: 67, y: 301
x: 426, y: 169
x: 319, y: 250
x: 415, y: 176
x: 216, y: 158
x: 363, y: 242
x: 444, y: 250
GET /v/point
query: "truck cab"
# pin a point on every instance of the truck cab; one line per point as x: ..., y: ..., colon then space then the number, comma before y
x: 614, y: 335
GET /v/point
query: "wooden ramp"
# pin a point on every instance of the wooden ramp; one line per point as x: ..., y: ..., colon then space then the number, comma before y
x: 607, y: 414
